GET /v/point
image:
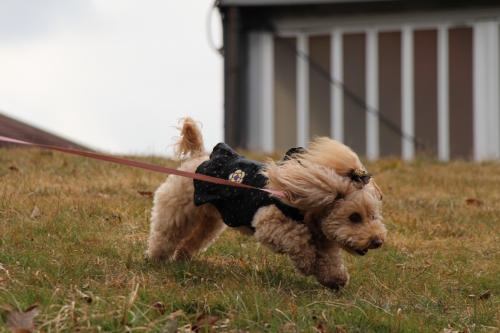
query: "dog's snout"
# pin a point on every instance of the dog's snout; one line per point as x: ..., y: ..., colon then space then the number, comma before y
x: 376, y: 243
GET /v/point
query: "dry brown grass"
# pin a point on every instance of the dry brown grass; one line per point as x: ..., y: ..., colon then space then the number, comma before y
x: 82, y: 256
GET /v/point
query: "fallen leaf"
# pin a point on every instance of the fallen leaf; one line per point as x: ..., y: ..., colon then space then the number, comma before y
x: 8, y: 307
x: 158, y: 306
x: 13, y: 168
x: 23, y: 321
x: 83, y: 296
x: 184, y: 329
x: 287, y: 327
x: 36, y: 212
x: 203, y: 321
x: 340, y: 329
x: 171, y: 327
x: 146, y: 193
x: 244, y: 263
x: 320, y: 328
x: 482, y: 297
x: 21, y: 330
x: 114, y: 217
x: 32, y: 306
x: 474, y: 202
x: 485, y: 295
x: 176, y: 314
x: 449, y: 330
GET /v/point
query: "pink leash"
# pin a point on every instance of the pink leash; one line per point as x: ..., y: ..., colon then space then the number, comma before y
x: 142, y: 165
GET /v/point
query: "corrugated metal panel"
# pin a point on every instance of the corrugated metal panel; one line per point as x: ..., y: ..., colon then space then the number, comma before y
x: 20, y: 131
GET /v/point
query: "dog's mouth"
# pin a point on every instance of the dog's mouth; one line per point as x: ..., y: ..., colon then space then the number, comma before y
x: 353, y: 251
x: 374, y: 244
x: 361, y: 252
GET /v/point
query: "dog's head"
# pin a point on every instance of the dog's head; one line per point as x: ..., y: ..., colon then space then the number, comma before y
x: 328, y: 183
x: 355, y: 219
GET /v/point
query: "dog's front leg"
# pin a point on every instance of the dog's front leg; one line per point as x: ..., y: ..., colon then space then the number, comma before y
x: 283, y: 235
x: 329, y: 269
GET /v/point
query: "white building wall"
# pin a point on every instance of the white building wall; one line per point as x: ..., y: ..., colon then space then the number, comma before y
x: 261, y: 92
x: 486, y: 77
x: 486, y: 88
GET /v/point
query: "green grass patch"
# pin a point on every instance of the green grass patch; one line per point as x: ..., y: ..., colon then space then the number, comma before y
x: 73, y: 235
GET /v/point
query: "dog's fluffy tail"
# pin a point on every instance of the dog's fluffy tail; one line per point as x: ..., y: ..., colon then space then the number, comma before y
x: 190, y: 141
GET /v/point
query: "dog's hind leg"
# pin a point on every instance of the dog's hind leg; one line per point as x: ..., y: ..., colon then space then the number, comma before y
x: 166, y: 235
x: 174, y: 217
x: 206, y: 232
x: 283, y: 235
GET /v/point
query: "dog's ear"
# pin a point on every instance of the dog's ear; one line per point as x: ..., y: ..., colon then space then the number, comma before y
x: 377, y: 189
x: 307, y: 186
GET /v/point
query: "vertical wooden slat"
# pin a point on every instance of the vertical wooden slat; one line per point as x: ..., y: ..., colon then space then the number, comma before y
x: 319, y: 86
x: 443, y: 95
x: 354, y: 63
x: 302, y: 92
x: 426, y: 80
x: 390, y: 85
x: 234, y: 79
x: 486, y: 88
x: 407, y: 105
x: 285, y: 92
x: 372, y: 126
x: 336, y: 92
x: 460, y: 93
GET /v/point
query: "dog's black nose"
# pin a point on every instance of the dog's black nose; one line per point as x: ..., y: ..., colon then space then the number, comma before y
x: 376, y: 243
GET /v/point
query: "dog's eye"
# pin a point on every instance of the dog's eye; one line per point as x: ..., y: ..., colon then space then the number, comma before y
x: 355, y: 218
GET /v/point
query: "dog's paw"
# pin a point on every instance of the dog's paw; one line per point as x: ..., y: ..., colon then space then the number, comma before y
x: 336, y: 284
x: 331, y: 277
x: 182, y: 255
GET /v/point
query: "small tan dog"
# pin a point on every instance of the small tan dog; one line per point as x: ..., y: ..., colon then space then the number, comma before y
x: 331, y: 204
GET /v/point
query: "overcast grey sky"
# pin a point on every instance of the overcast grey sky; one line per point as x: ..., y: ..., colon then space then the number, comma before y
x: 114, y: 75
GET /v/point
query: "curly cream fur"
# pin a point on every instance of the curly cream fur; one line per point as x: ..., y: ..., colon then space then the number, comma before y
x: 306, y: 185
x: 333, y: 155
x: 191, y: 140
x: 284, y: 236
x: 341, y: 214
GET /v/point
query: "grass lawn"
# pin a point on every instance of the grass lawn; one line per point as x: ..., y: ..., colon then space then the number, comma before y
x: 73, y: 235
